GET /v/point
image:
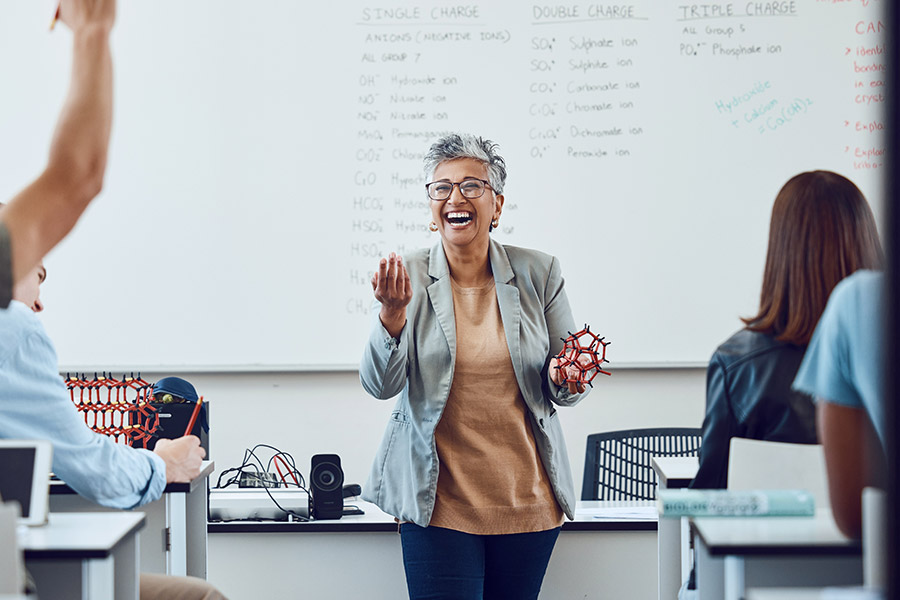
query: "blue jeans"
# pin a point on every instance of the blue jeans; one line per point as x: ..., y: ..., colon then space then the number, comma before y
x: 451, y: 565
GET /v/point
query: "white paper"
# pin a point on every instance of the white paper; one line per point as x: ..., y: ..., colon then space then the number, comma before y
x: 620, y: 513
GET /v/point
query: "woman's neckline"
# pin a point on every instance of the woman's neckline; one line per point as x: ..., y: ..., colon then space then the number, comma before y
x: 468, y: 286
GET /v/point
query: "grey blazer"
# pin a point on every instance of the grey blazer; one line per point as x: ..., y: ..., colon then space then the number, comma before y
x: 420, y: 366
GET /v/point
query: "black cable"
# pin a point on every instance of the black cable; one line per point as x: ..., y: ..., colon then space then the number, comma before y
x: 257, y: 467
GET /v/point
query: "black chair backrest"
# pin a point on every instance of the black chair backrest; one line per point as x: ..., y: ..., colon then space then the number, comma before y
x: 617, y: 463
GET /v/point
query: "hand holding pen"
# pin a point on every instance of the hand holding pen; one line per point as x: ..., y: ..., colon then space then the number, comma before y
x: 197, y: 405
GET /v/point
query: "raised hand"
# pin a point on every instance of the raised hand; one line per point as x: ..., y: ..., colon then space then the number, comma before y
x: 82, y: 14
x: 394, y: 291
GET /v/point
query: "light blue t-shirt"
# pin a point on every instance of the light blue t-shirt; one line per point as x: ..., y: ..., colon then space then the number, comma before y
x: 34, y: 404
x: 844, y: 362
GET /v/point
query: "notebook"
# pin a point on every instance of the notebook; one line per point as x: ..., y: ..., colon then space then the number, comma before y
x: 25, y: 477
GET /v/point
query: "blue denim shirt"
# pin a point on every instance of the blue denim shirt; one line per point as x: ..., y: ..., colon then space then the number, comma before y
x: 536, y: 316
x: 34, y: 404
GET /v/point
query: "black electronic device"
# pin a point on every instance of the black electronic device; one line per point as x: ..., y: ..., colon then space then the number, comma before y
x: 326, y: 499
x: 173, y: 421
x: 350, y: 490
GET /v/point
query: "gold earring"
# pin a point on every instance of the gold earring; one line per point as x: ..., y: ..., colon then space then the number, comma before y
x: 433, y: 226
x: 495, y: 223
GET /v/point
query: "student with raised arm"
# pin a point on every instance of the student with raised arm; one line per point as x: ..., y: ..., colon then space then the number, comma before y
x: 34, y: 403
x: 41, y: 215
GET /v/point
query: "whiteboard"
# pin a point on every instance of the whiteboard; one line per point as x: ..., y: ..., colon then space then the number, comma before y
x: 266, y: 154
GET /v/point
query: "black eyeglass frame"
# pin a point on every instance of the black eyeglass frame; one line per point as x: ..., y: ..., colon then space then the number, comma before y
x: 487, y: 184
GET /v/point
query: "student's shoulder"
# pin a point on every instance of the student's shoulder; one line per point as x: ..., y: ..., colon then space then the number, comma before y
x: 17, y: 324
x: 747, y: 347
x: 860, y: 287
x: 18, y: 319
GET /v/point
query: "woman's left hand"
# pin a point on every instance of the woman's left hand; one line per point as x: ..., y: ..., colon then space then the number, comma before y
x: 569, y: 372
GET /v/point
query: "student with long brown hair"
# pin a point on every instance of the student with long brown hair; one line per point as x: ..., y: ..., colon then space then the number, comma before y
x: 821, y: 231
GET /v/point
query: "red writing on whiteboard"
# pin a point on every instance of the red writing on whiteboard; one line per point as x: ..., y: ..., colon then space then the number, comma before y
x: 870, y: 127
x: 869, y: 99
x: 864, y: 27
x: 868, y: 152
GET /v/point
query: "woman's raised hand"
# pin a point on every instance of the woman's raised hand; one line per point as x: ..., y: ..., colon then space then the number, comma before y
x: 393, y: 289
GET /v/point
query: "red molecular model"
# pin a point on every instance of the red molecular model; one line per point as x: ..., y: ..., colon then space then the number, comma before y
x: 585, y: 351
x: 118, y: 409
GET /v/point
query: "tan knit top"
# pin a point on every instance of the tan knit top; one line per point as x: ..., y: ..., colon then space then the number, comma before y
x: 491, y: 479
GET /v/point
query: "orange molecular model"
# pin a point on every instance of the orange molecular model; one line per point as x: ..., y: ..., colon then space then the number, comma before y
x: 586, y: 352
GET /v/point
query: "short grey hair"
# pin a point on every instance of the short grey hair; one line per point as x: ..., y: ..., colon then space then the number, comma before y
x: 466, y: 145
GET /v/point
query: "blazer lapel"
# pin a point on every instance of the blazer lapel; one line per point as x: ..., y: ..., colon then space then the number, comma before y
x: 441, y: 296
x: 510, y: 305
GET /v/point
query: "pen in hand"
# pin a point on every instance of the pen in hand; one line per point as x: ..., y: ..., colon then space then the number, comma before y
x: 55, y: 18
x: 193, y: 420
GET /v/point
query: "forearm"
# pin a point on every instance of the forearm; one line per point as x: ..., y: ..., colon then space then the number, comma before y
x: 850, y: 461
x: 81, y: 139
x: 110, y: 474
x: 77, y: 158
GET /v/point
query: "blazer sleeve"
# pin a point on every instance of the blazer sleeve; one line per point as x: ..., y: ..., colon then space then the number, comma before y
x: 719, y: 426
x: 383, y: 370
x: 558, y: 316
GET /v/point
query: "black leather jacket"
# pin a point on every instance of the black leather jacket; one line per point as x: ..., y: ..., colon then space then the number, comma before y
x: 748, y: 395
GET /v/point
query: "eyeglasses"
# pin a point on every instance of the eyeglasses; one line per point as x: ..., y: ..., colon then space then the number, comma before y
x: 470, y: 188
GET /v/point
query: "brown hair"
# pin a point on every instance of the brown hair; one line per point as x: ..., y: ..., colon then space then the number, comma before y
x: 821, y: 231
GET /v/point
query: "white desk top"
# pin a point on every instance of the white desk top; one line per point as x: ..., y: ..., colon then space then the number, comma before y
x: 774, y: 535
x: 589, y: 516
x: 79, y: 535
x: 835, y: 593
x: 675, y: 471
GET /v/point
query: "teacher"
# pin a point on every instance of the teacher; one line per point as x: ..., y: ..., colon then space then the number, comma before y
x: 473, y: 463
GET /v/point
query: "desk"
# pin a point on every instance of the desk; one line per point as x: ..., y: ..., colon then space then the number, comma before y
x: 361, y: 556
x: 736, y: 553
x: 98, y: 553
x: 855, y: 593
x: 175, y: 541
x: 673, y: 550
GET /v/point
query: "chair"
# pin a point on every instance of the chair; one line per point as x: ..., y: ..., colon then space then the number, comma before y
x: 874, y: 538
x: 12, y: 573
x: 617, y: 463
x: 761, y: 465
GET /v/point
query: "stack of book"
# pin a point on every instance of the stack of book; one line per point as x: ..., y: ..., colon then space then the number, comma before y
x: 726, y: 503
